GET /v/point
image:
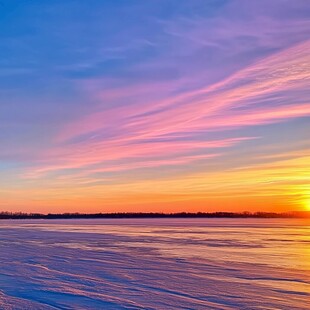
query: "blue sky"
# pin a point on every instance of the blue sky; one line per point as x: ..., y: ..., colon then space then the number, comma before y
x: 106, y: 104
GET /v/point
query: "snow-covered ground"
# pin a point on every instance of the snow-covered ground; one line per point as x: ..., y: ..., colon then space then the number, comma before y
x: 155, y: 264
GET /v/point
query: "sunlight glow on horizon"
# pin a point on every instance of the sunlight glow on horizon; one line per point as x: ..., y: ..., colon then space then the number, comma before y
x: 307, y: 204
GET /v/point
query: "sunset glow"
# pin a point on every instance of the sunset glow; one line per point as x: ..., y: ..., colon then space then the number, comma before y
x: 162, y: 106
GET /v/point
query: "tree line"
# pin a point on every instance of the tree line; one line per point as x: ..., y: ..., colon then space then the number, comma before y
x: 22, y: 215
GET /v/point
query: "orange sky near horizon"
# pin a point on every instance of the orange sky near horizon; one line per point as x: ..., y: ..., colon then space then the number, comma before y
x: 277, y: 187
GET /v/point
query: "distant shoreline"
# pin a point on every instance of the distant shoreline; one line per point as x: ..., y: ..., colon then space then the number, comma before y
x: 20, y: 215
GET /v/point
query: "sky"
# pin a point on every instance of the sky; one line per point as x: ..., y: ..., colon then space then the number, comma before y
x: 154, y: 106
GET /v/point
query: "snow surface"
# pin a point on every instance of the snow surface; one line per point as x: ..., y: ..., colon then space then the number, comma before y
x: 155, y: 264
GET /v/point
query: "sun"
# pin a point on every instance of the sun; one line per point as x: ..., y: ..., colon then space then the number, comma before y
x: 307, y: 204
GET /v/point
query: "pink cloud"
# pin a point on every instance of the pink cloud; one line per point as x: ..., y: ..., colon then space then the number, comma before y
x: 124, y: 132
x: 82, y: 156
x: 285, y: 71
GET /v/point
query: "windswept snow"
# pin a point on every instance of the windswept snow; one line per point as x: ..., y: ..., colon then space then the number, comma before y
x: 155, y: 264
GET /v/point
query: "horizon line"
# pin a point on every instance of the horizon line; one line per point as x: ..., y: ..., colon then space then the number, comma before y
x: 117, y: 215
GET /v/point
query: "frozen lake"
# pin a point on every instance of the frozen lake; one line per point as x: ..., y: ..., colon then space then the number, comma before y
x: 155, y: 264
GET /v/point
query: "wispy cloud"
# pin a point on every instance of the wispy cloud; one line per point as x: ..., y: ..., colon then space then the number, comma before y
x: 150, y: 128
